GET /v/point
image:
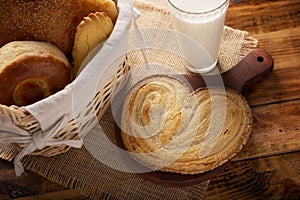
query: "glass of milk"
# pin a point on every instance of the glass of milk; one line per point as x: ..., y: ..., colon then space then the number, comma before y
x: 200, y: 24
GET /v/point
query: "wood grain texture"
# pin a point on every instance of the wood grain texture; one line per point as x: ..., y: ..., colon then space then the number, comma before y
x: 276, y: 130
x: 275, y: 101
x: 58, y: 195
x: 12, y: 187
x: 263, y: 16
x: 283, y: 83
x: 274, y: 177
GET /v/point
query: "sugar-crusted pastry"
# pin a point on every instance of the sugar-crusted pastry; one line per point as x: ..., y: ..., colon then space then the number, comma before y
x: 52, y: 21
x: 167, y: 128
x: 31, y: 71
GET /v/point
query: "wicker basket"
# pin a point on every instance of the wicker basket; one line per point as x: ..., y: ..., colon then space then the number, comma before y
x: 21, y: 118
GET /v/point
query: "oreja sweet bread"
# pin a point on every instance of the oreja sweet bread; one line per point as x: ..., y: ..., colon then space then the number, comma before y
x: 31, y: 71
x: 166, y: 127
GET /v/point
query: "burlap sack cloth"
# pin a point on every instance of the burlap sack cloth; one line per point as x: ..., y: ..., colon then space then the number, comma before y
x: 78, y: 170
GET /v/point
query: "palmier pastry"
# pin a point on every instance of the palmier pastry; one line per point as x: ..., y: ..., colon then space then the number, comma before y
x: 31, y: 71
x: 47, y: 20
x: 166, y: 127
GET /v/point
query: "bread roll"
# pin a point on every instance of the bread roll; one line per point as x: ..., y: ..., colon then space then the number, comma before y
x: 52, y: 21
x: 167, y: 128
x: 31, y: 71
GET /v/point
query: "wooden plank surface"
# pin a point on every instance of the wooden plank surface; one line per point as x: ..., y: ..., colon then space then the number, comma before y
x: 279, y: 94
x: 262, y: 16
x: 58, y: 195
x: 283, y: 83
x: 12, y: 187
x: 272, y: 133
x: 274, y: 177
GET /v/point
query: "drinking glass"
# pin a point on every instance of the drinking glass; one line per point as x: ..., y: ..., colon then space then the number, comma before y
x: 202, y: 23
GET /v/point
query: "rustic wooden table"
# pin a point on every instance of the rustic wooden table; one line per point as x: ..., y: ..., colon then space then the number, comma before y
x: 269, y: 165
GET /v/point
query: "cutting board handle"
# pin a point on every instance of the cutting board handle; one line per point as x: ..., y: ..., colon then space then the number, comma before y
x: 254, y: 67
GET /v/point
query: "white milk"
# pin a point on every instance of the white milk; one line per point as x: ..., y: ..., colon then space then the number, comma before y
x: 203, y: 21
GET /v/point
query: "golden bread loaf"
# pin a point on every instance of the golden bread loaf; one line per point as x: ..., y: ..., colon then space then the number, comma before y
x: 31, y: 71
x: 166, y: 127
x: 52, y: 21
